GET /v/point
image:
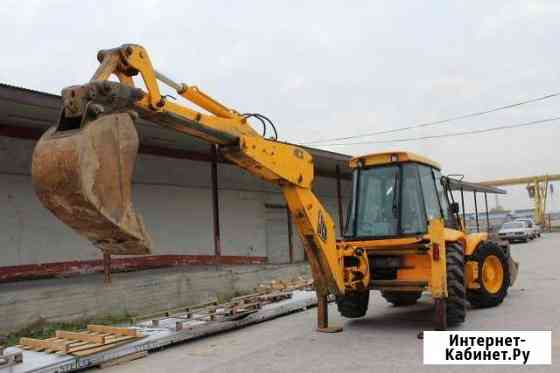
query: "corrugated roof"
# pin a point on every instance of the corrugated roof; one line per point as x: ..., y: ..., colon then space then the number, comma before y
x: 37, y: 111
x: 455, y: 184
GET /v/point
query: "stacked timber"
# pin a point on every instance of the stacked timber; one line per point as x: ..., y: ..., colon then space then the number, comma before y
x: 95, y: 339
x: 299, y: 283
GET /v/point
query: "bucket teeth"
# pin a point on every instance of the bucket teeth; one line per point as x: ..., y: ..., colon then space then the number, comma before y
x: 84, y: 175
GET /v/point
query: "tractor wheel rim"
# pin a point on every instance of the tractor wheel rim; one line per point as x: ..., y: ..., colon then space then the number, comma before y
x: 492, y: 274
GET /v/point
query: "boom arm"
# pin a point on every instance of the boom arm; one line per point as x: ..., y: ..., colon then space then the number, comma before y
x: 288, y: 166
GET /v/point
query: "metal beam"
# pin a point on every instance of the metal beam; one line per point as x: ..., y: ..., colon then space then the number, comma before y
x: 454, y: 184
x: 533, y: 183
x: 215, y: 201
x: 463, y: 207
x: 476, y: 213
x: 487, y: 214
x: 107, y: 267
x: 137, y: 263
x: 521, y: 180
x: 290, y: 236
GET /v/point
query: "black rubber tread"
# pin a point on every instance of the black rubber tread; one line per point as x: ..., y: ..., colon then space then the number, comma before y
x: 481, y: 298
x: 456, y: 302
x: 401, y: 298
x: 353, y: 305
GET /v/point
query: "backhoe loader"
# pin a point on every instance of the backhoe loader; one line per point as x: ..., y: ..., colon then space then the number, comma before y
x: 402, y: 236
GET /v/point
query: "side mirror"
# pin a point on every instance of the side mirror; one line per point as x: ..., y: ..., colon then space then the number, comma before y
x: 454, y: 208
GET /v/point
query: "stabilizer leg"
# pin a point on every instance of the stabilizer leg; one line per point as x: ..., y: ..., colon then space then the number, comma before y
x: 323, y: 315
x: 440, y: 314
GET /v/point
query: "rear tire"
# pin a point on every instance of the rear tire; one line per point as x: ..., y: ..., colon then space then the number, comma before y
x: 456, y: 293
x: 353, y: 305
x: 401, y: 298
x: 491, y: 292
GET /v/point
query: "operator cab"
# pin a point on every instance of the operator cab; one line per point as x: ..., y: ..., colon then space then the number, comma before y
x: 395, y: 194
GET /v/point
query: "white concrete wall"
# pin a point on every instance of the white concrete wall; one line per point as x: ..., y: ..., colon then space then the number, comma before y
x: 173, y: 196
x: 26, y: 303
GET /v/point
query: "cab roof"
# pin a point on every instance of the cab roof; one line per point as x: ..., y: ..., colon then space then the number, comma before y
x: 377, y: 159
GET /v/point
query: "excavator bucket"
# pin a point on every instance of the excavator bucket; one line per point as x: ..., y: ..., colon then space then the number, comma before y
x: 82, y: 174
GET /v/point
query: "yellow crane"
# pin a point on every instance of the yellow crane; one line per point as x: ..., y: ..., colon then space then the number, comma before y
x: 403, y: 237
x: 537, y: 187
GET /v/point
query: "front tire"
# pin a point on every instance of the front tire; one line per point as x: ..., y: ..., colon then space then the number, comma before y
x: 494, y: 276
x: 353, y: 305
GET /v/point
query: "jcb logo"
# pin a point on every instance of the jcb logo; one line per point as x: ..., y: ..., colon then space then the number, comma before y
x: 321, y: 227
x: 298, y: 153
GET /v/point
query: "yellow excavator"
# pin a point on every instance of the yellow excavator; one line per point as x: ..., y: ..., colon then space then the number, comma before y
x: 403, y: 236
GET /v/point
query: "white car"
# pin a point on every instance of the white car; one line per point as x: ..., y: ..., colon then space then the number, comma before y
x: 531, y: 224
x: 515, y: 231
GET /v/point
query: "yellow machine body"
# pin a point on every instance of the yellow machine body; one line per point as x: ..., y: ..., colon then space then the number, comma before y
x: 82, y: 172
x: 420, y: 271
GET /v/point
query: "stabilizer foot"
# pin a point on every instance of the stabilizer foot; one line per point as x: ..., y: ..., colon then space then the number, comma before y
x: 323, y: 316
x: 330, y: 329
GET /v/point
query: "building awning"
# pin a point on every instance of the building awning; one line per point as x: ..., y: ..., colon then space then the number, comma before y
x: 455, y: 184
x: 27, y: 113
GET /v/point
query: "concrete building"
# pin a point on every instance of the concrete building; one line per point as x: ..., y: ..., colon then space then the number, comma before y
x: 217, y: 230
x: 198, y: 208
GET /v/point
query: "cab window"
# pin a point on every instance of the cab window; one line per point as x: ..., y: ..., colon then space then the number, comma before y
x: 378, y: 202
x: 442, y: 196
x: 431, y: 200
x: 387, y: 202
x: 413, y: 218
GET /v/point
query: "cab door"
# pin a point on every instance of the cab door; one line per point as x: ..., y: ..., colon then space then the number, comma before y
x: 435, y: 198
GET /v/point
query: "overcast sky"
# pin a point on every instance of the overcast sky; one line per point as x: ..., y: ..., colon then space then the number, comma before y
x: 323, y: 69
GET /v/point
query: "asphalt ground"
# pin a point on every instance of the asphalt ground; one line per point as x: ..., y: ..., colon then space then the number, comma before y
x: 385, y: 340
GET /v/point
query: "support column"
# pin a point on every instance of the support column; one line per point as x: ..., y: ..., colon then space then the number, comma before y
x: 290, y: 236
x: 215, y: 201
x: 339, y: 199
x: 476, y: 213
x: 487, y: 214
x: 463, y: 207
x: 107, y: 267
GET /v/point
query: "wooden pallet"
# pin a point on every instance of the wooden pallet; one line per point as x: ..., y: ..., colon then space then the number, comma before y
x: 95, y: 339
x: 299, y: 283
x: 160, y: 315
x: 234, y: 309
x: 220, y: 312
